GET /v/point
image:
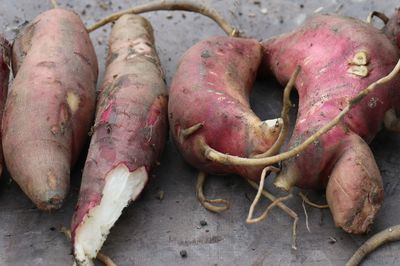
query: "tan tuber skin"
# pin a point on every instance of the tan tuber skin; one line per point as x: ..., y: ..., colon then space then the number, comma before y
x: 50, y: 108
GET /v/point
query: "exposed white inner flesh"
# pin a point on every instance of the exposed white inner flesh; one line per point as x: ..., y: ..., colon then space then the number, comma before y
x: 120, y: 188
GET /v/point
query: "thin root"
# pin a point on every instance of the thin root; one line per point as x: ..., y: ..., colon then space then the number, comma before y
x: 287, y: 104
x: 54, y: 3
x: 100, y: 256
x: 388, y: 235
x: 312, y: 204
x: 227, y: 159
x: 380, y: 15
x: 185, y: 133
x: 306, y: 215
x: 170, y: 5
x: 284, y: 208
x: 207, y: 203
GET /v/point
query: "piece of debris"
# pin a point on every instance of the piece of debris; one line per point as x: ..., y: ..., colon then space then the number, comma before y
x: 264, y: 10
x: 203, y: 222
x: 160, y: 195
x: 183, y: 253
x: 319, y: 9
x: 332, y: 240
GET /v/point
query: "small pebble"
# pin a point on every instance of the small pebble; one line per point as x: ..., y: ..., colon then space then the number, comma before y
x: 183, y: 253
x: 203, y: 223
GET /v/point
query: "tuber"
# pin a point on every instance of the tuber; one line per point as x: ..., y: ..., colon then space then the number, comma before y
x: 5, y: 54
x: 339, y: 57
x: 51, y: 104
x: 128, y: 136
x: 209, y: 105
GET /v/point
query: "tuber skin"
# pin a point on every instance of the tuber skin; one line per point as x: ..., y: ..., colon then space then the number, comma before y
x: 51, y: 105
x: 129, y: 134
x: 339, y: 57
x: 5, y: 54
x: 211, y: 88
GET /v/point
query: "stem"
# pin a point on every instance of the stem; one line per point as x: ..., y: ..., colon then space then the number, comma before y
x: 285, y: 117
x: 388, y: 235
x: 283, y: 207
x: 217, y: 156
x: 378, y: 14
x: 207, y: 203
x: 312, y: 204
x: 100, y: 256
x: 170, y: 5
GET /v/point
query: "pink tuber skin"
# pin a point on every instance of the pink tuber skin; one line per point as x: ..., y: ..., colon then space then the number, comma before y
x: 51, y: 105
x: 339, y: 57
x: 5, y: 53
x: 211, y: 88
x: 129, y: 134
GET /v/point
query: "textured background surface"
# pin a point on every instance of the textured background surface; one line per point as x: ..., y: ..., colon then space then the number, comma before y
x: 153, y: 231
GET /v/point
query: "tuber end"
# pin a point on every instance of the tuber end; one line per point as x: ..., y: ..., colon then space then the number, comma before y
x: 355, y: 190
x: 121, y: 186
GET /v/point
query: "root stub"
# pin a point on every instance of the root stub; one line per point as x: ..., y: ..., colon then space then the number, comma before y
x: 387, y: 235
x: 207, y: 203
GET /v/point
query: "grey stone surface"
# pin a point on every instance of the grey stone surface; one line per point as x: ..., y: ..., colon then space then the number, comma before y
x: 153, y: 232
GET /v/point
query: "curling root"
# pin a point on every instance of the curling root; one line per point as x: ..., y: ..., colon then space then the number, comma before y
x: 377, y: 14
x: 284, y: 208
x: 207, y: 203
x: 250, y: 219
x: 100, y: 256
x: 171, y: 5
x: 312, y: 204
x: 185, y: 133
x: 388, y: 235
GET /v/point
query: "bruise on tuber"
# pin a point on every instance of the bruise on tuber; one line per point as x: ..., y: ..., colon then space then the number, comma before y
x: 339, y: 160
x: 51, y: 105
x: 129, y: 135
x: 5, y: 54
x: 211, y: 87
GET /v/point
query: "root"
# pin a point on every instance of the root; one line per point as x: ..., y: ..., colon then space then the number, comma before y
x: 377, y: 14
x: 54, y: 3
x: 275, y: 202
x: 207, y: 203
x: 306, y: 215
x: 100, y: 256
x: 388, y: 235
x: 170, y: 5
x: 287, y: 104
x: 226, y: 159
x: 284, y: 208
x: 185, y: 133
x: 312, y: 204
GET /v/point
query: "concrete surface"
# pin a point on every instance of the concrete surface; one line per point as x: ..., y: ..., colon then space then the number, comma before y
x: 153, y: 231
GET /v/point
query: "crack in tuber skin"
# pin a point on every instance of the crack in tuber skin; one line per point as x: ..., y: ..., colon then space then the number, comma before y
x: 340, y: 160
x: 212, y: 87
